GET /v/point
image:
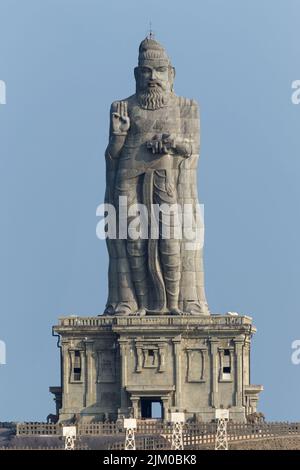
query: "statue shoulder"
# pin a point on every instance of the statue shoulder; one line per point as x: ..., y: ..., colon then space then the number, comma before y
x: 130, y: 100
x: 187, y: 102
x: 188, y: 106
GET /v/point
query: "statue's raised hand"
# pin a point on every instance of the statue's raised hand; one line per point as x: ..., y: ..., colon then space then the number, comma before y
x: 120, y: 119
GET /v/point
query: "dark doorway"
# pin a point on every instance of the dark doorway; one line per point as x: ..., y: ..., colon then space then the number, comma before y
x: 151, y: 408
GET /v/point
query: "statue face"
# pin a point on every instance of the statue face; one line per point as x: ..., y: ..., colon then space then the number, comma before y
x: 153, y: 85
x: 151, y: 77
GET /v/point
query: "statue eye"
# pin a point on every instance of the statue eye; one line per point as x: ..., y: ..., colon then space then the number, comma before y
x: 161, y: 69
x: 145, y: 70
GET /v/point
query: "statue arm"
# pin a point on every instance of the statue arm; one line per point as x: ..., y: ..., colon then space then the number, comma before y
x: 189, y: 142
x: 115, y: 146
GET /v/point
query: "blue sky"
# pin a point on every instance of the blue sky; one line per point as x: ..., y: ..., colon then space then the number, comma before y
x: 64, y: 62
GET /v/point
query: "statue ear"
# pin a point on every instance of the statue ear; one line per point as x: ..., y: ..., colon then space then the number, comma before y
x: 136, y: 73
x: 171, y: 73
x: 171, y: 77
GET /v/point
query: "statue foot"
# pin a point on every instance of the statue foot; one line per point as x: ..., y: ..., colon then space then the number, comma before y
x: 195, y: 308
x: 177, y: 311
x: 120, y: 309
x: 141, y: 312
x: 109, y: 310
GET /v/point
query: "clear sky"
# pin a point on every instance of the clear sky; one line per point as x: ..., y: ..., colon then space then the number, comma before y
x: 64, y: 62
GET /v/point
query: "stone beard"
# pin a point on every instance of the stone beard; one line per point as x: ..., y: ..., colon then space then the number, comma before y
x: 152, y: 158
x: 153, y: 98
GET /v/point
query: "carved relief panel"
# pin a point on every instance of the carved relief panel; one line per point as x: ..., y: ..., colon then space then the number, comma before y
x: 196, y: 364
x: 106, y: 366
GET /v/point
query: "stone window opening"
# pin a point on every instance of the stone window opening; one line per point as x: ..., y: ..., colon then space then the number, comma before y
x: 77, y: 366
x: 151, y: 356
x: 225, y: 365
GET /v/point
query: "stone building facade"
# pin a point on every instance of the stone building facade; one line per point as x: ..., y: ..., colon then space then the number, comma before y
x: 116, y: 367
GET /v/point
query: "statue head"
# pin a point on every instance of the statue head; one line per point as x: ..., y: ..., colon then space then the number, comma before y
x: 154, y: 75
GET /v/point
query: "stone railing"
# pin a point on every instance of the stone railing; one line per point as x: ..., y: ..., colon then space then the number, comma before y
x: 157, y: 434
x: 144, y: 443
x: 162, y: 320
x: 87, y: 321
x: 262, y: 430
x: 33, y: 429
x: 77, y: 447
x: 96, y: 429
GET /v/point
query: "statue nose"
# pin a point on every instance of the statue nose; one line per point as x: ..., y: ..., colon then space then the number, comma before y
x: 153, y: 74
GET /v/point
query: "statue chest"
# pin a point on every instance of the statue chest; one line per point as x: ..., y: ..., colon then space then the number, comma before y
x: 144, y: 124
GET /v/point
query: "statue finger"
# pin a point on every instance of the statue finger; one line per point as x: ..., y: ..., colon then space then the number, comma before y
x: 126, y: 108
x: 118, y: 108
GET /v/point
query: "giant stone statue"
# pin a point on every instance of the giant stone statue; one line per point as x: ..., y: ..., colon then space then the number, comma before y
x: 151, y: 160
x: 173, y: 352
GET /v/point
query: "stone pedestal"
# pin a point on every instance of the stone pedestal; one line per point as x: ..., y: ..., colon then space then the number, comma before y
x: 114, y: 366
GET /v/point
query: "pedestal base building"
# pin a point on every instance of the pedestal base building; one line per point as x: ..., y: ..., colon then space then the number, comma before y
x: 115, y: 367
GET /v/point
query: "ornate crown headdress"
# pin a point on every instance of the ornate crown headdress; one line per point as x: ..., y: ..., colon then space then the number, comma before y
x: 151, y: 52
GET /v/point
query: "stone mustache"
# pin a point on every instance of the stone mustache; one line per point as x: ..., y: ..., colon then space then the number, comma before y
x: 151, y: 159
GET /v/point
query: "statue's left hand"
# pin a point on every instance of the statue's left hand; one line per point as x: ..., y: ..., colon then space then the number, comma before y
x: 162, y: 143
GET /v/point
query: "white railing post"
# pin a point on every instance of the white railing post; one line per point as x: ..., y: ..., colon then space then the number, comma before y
x: 130, y: 427
x: 69, y: 433
x: 178, y: 420
x: 221, y: 442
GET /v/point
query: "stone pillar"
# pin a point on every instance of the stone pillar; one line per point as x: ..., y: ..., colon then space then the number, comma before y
x: 83, y: 374
x: 177, y: 350
x: 166, y: 405
x: 90, y: 382
x: 66, y: 372
x: 214, y: 402
x: 139, y: 359
x: 123, y: 356
x: 135, y: 406
x: 162, y: 358
x: 246, y: 362
x: 239, y: 371
x: 221, y: 354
